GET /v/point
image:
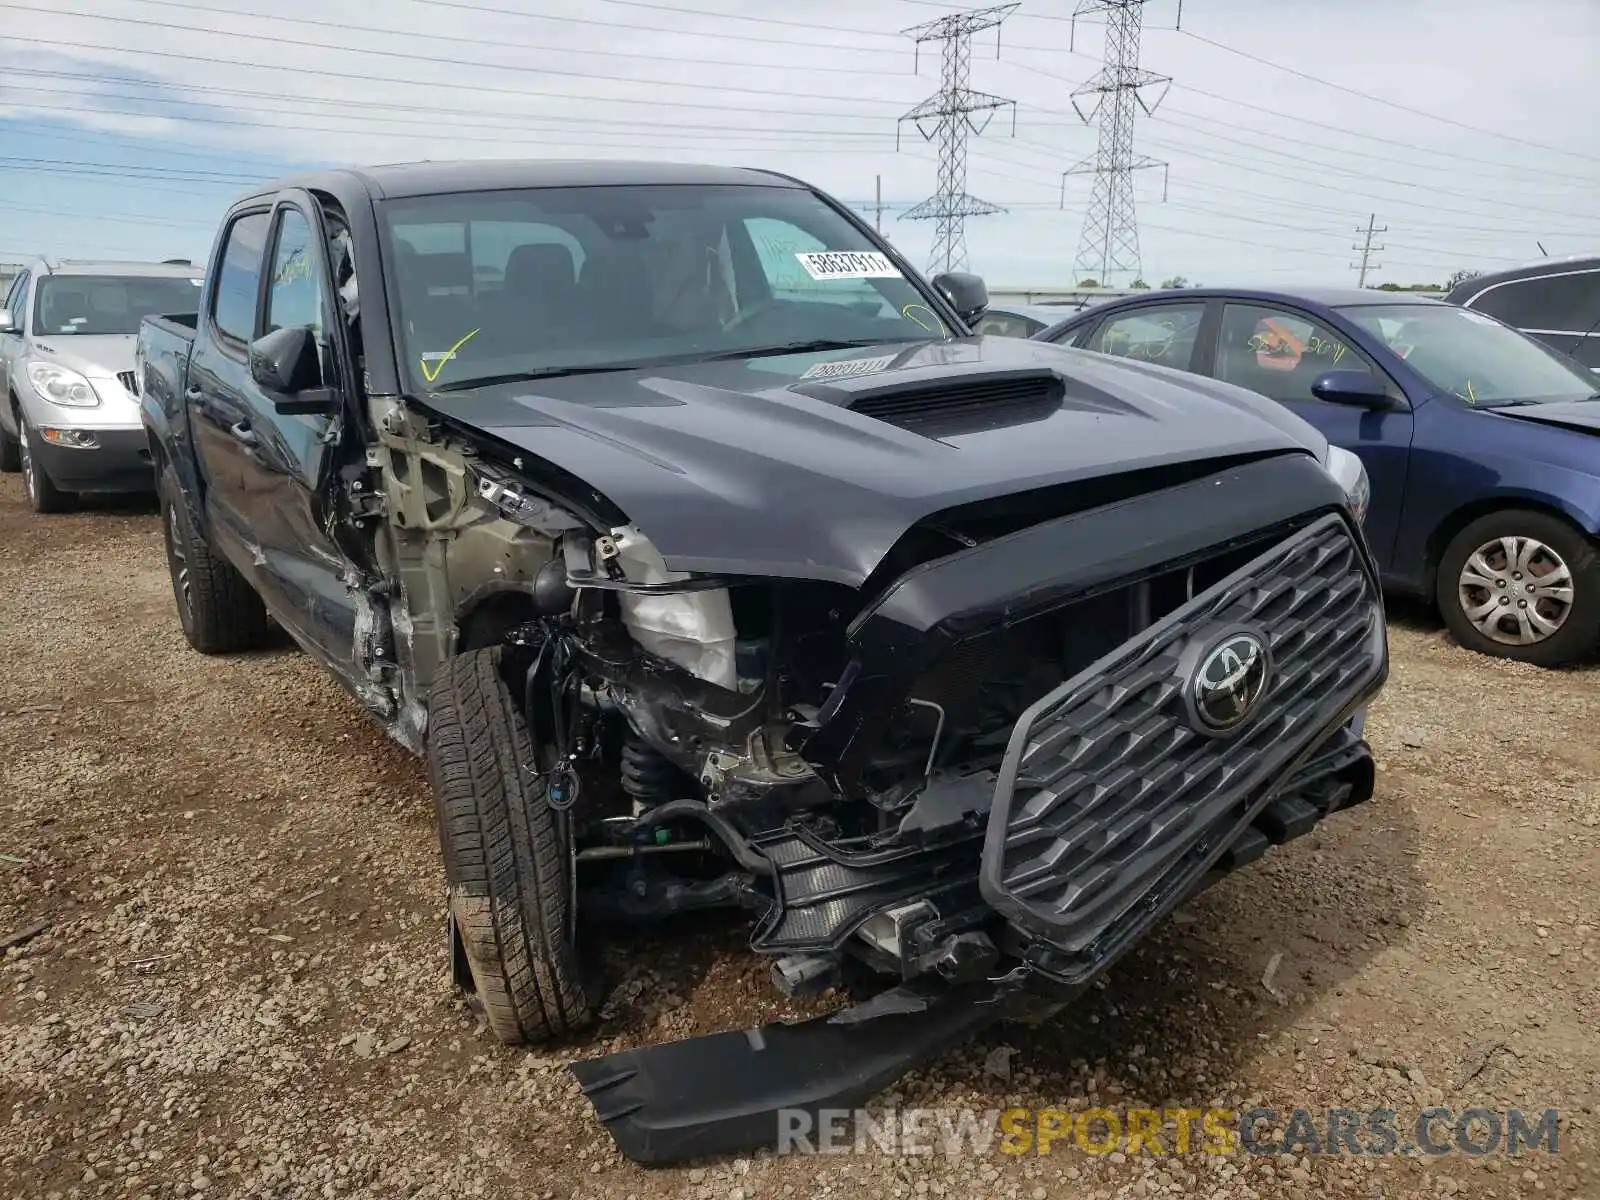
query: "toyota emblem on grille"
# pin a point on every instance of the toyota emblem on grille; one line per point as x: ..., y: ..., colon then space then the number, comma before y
x: 1228, y: 683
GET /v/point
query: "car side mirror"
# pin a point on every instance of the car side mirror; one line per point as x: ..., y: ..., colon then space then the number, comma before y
x: 286, y: 365
x: 967, y: 293
x: 7, y: 325
x: 1357, y: 389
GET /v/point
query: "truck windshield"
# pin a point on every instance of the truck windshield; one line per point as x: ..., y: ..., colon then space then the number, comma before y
x: 109, y: 304
x: 1474, y: 357
x: 492, y: 285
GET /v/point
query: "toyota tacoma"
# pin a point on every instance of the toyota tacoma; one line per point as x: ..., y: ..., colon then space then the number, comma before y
x: 712, y: 561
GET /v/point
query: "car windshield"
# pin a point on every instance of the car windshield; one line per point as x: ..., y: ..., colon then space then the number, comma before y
x: 102, y: 304
x: 514, y: 283
x: 1475, y: 357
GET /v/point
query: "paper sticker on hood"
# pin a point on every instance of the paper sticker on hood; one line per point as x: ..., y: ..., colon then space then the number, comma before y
x: 848, y: 368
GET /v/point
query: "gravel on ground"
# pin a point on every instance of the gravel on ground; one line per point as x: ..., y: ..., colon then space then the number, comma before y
x: 240, y: 985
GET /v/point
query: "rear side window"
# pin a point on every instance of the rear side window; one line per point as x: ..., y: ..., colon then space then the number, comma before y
x: 239, y: 277
x: 1164, y: 335
x: 1566, y: 303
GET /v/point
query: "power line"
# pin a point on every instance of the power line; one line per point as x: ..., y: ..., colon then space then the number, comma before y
x: 438, y: 60
x: 654, y: 102
x: 679, y: 10
x: 1109, y: 242
x: 1323, y: 127
x: 499, y: 43
x: 1419, y: 112
x: 951, y: 108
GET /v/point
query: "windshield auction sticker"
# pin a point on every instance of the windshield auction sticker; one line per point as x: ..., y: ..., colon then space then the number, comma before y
x: 848, y: 264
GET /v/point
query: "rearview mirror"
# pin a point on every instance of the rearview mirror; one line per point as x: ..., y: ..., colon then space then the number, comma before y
x: 967, y: 293
x: 7, y: 325
x: 286, y: 364
x: 1358, y: 389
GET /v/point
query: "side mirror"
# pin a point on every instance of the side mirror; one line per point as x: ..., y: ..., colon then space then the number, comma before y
x: 7, y: 325
x: 1357, y: 389
x: 968, y: 294
x: 286, y: 365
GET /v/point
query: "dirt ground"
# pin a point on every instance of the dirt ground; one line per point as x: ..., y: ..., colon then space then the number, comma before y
x: 242, y: 988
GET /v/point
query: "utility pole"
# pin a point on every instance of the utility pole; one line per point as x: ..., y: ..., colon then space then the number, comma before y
x: 877, y: 206
x: 1109, y: 244
x: 1367, y: 248
x: 947, y: 116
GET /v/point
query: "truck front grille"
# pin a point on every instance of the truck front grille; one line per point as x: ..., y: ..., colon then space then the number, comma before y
x: 1109, y: 783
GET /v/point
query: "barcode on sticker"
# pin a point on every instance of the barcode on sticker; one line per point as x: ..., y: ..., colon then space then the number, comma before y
x: 848, y: 368
x: 848, y: 264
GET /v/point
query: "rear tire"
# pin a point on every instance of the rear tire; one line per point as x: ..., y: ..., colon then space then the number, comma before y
x: 43, y: 495
x: 1519, y: 573
x: 506, y: 859
x: 219, y: 611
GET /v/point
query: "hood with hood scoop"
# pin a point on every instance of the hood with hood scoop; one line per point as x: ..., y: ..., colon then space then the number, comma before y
x: 812, y: 465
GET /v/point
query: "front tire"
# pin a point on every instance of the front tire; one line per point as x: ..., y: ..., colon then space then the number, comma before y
x: 506, y: 859
x: 1522, y: 585
x: 43, y: 495
x: 220, y: 611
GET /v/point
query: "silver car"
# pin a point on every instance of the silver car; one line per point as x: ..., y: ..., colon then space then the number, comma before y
x: 70, y: 421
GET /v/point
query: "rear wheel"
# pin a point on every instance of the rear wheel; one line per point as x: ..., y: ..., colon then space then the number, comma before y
x: 507, y: 857
x: 220, y: 612
x: 43, y: 495
x: 1523, y: 585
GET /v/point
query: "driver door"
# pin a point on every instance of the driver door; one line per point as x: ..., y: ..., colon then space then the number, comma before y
x: 287, y: 458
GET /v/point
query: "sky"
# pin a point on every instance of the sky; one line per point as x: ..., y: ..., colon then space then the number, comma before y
x: 1468, y: 127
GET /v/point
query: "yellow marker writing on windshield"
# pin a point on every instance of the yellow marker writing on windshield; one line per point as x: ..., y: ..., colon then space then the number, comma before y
x: 909, y: 313
x: 430, y: 376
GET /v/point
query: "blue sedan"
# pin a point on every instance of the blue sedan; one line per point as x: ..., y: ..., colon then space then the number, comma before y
x: 1479, y: 442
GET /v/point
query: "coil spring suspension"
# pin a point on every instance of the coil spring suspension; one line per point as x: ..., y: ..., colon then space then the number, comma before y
x: 647, y: 775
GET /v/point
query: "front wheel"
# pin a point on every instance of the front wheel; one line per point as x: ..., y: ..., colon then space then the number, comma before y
x: 43, y: 494
x: 507, y: 858
x: 1523, y: 585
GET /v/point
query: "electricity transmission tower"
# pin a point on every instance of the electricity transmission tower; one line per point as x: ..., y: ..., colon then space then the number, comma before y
x: 947, y: 116
x: 1367, y: 248
x: 1110, y: 241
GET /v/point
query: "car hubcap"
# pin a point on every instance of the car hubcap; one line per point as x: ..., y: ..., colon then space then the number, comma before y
x: 28, y: 480
x: 180, y: 562
x: 1516, y: 590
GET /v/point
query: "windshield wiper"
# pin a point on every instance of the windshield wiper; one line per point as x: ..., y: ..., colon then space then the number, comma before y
x: 794, y: 348
x: 477, y: 381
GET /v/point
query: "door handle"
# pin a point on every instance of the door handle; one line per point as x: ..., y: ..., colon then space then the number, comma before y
x: 243, y: 432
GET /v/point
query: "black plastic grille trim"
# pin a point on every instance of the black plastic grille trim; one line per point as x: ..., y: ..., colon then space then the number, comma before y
x: 1106, y: 784
x: 129, y: 380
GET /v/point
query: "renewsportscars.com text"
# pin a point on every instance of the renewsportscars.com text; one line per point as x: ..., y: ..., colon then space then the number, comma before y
x: 1168, y: 1131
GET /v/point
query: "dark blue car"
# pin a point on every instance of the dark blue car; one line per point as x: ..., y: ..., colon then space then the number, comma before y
x: 1479, y: 442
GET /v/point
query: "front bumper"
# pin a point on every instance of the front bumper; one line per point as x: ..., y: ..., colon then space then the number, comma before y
x: 1110, y: 809
x: 118, y: 461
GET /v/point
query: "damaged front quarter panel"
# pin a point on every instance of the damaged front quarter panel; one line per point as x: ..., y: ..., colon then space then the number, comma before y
x: 458, y: 552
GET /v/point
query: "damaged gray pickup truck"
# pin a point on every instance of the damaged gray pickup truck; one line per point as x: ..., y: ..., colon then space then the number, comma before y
x: 711, y: 561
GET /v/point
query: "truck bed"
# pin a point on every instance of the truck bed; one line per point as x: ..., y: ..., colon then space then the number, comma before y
x: 163, y: 358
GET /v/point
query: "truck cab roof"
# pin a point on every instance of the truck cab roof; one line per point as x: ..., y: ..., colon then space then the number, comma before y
x: 398, y: 180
